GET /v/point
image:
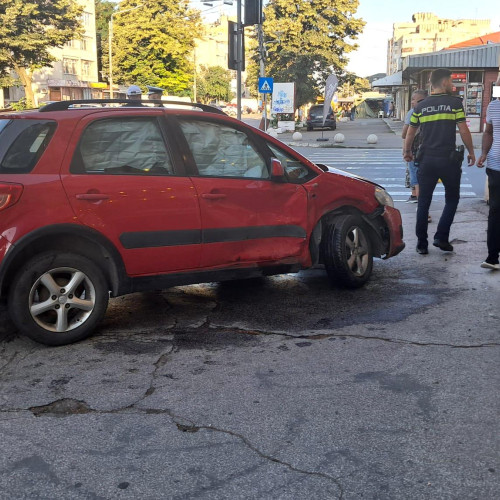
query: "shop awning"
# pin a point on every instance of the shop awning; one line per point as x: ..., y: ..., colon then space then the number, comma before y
x: 394, y: 80
x: 485, y: 56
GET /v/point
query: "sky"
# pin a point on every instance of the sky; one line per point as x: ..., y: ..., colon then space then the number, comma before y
x: 371, y: 56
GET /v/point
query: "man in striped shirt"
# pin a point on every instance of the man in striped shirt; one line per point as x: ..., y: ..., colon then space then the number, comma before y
x: 490, y: 153
x: 438, y: 116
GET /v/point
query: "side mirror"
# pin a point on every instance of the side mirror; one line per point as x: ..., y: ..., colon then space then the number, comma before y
x: 277, y: 171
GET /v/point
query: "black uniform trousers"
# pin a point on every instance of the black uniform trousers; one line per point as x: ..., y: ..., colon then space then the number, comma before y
x: 493, y: 235
x: 431, y: 168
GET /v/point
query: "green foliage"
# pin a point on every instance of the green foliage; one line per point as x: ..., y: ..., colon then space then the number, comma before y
x: 103, y: 11
x: 153, y: 44
x: 29, y: 29
x: 350, y: 84
x: 22, y: 104
x: 361, y: 85
x: 214, y: 84
x: 307, y: 40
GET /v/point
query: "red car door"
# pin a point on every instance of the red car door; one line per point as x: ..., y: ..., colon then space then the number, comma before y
x: 121, y: 181
x: 245, y: 216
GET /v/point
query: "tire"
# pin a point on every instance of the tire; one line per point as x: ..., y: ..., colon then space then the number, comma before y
x: 43, y: 307
x: 347, y: 252
x: 309, y: 128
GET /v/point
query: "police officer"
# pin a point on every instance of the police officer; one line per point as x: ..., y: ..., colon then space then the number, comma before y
x: 134, y: 95
x: 438, y: 116
x: 154, y: 94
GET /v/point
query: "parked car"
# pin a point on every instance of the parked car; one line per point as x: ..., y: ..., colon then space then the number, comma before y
x: 315, y: 118
x: 100, y: 202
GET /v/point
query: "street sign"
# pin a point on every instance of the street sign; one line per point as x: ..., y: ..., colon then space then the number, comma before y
x: 265, y: 85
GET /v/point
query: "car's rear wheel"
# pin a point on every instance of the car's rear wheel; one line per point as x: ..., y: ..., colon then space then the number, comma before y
x: 57, y: 299
x: 347, y: 252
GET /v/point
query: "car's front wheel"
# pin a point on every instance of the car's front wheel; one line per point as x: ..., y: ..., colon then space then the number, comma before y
x: 347, y: 252
x: 57, y: 299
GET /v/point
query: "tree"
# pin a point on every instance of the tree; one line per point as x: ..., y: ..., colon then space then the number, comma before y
x: 307, y: 40
x: 214, y: 84
x: 29, y: 29
x: 103, y: 11
x: 350, y: 84
x: 153, y: 44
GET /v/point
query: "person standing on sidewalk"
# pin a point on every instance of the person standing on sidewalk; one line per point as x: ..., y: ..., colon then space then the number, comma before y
x: 438, y: 156
x: 353, y: 112
x: 490, y: 152
x: 416, y: 97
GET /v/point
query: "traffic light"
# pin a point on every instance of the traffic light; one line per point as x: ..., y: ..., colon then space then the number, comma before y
x: 232, y: 59
x: 253, y: 12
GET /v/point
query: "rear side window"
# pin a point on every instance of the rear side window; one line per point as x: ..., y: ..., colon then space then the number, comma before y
x: 122, y: 146
x: 22, y: 142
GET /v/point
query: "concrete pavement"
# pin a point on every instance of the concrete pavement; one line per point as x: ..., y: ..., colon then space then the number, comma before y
x: 387, y: 130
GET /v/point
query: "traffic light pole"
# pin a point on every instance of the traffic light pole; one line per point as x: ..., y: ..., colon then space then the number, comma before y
x: 262, y: 71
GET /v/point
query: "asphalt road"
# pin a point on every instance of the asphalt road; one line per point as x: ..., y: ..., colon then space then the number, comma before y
x: 386, y: 167
x: 281, y: 388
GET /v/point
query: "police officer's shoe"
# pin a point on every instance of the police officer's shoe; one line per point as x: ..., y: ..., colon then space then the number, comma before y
x: 445, y: 246
x: 422, y: 250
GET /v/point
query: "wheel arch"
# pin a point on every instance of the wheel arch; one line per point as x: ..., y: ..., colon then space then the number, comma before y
x: 65, y: 237
x: 375, y: 225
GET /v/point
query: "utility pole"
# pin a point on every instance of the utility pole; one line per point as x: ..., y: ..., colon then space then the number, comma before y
x: 239, y: 57
x: 262, y: 73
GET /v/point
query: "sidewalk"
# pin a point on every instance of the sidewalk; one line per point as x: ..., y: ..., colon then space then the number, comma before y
x: 387, y: 130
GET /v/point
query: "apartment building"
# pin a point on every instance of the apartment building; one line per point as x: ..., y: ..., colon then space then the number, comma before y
x: 212, y: 49
x: 429, y: 33
x: 74, y: 73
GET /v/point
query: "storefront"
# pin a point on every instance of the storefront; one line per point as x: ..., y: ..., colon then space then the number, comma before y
x: 68, y: 90
x: 474, y: 70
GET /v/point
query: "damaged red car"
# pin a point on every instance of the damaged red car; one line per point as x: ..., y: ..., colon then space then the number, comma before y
x: 98, y: 202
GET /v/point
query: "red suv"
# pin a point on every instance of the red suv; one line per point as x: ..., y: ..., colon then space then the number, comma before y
x: 105, y: 201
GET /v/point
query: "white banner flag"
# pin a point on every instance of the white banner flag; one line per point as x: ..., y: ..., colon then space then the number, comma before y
x: 331, y: 86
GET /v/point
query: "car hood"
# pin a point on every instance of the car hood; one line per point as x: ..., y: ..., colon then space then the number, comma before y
x: 336, y: 171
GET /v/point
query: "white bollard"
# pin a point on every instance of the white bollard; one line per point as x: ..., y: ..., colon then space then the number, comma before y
x: 372, y: 139
x: 339, y: 138
x: 272, y: 132
x: 297, y: 136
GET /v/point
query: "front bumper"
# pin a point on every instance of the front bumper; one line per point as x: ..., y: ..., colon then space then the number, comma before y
x: 392, y: 218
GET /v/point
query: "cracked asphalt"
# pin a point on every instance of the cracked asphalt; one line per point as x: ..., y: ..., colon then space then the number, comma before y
x: 280, y: 388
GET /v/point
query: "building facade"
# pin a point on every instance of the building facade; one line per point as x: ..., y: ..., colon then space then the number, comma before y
x: 474, y: 71
x: 429, y: 33
x: 73, y: 75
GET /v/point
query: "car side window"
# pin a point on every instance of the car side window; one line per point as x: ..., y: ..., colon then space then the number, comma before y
x: 220, y: 150
x: 295, y: 171
x: 122, y: 146
x: 22, y: 142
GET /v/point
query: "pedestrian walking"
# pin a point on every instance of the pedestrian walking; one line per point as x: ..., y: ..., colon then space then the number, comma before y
x: 416, y: 97
x: 438, y: 156
x: 490, y: 153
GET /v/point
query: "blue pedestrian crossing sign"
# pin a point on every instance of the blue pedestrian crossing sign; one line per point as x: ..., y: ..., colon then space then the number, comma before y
x: 265, y: 85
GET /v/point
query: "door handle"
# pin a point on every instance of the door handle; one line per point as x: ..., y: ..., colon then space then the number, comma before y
x: 213, y: 196
x: 92, y: 196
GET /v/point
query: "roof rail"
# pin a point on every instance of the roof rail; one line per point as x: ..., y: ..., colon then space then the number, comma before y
x: 63, y: 105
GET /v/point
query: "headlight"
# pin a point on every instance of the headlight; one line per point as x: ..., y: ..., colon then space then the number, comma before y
x: 383, y: 197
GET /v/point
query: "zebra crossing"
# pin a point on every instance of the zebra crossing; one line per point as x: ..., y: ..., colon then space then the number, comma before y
x: 383, y: 166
